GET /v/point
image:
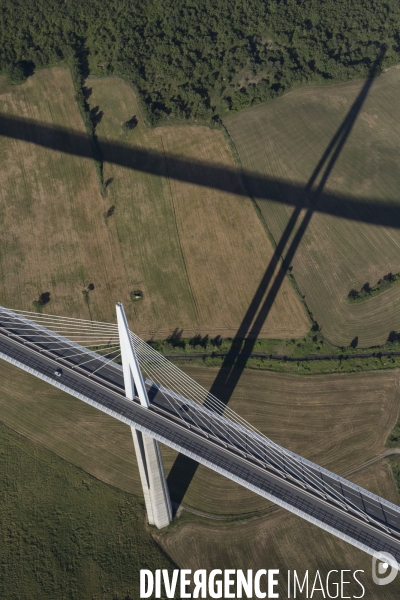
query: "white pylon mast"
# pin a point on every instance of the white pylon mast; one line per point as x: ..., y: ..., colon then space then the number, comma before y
x: 133, y: 379
x: 151, y: 469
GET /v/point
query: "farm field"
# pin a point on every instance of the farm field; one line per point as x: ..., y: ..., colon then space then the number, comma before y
x: 339, y: 421
x: 102, y: 543
x: 53, y: 235
x: 64, y: 534
x: 184, y: 248
x: 282, y: 142
x: 217, y: 236
x: 281, y: 541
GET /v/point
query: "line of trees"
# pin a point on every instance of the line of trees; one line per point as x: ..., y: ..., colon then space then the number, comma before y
x: 367, y: 291
x: 202, y: 58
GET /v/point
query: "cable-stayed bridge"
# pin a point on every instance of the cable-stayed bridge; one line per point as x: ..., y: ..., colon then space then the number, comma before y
x: 162, y: 404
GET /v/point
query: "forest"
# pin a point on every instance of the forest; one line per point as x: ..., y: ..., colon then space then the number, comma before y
x: 201, y: 59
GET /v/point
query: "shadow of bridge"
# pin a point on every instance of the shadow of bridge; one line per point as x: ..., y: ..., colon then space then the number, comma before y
x: 304, y: 200
x: 309, y: 201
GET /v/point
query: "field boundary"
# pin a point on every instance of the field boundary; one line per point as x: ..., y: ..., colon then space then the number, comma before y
x: 285, y: 357
x: 177, y: 231
x: 367, y: 292
x: 264, y: 223
x: 295, y: 365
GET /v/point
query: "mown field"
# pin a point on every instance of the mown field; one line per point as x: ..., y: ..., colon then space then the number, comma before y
x: 282, y: 142
x: 64, y: 534
x: 215, y: 239
x: 68, y: 535
x: 186, y: 249
x: 339, y: 421
x: 282, y: 541
x: 53, y: 235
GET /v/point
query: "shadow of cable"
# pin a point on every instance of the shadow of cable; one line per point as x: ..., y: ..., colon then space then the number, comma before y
x: 304, y: 200
x: 182, y: 472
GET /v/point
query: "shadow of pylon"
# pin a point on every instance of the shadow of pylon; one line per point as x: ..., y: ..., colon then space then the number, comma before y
x: 184, y: 469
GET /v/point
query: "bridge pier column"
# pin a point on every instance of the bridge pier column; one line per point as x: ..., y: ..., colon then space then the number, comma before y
x: 151, y: 469
x: 152, y: 476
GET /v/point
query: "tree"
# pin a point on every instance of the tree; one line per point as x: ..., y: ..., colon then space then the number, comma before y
x: 353, y: 294
x: 366, y: 288
x: 393, y: 337
x: 15, y: 74
x: 354, y: 342
x: 130, y: 124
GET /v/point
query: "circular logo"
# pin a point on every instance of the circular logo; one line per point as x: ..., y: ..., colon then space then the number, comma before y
x: 384, y: 568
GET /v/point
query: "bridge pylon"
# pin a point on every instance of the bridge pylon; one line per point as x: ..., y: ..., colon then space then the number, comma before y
x: 151, y: 469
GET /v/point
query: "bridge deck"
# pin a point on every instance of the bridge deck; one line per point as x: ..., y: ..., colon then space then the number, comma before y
x: 195, y: 436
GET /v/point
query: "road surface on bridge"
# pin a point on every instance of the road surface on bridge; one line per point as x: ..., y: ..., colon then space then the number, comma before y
x: 105, y: 390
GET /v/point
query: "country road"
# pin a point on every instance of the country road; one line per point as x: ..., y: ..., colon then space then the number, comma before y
x: 312, y: 357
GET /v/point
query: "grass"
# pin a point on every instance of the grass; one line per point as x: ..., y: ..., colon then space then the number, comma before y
x: 184, y: 245
x: 284, y: 140
x: 185, y: 248
x: 280, y: 541
x: 344, y: 363
x: 394, y: 462
x: 313, y: 344
x: 386, y: 282
x: 86, y: 437
x: 54, y: 237
x: 337, y: 421
x: 339, y: 360
x: 64, y: 534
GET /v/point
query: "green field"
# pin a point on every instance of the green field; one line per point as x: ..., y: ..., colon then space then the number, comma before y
x: 284, y: 140
x: 76, y: 529
x: 66, y: 535
x: 311, y: 355
x: 339, y: 421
